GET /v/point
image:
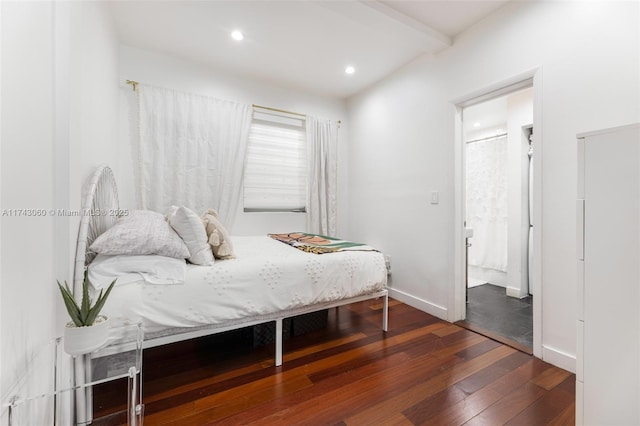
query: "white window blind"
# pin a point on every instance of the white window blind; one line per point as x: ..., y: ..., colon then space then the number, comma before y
x: 275, y: 176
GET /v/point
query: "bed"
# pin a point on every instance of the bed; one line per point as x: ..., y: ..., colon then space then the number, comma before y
x: 267, y: 281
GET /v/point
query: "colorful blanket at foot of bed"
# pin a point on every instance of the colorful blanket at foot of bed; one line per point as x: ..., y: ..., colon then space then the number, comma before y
x: 319, y: 244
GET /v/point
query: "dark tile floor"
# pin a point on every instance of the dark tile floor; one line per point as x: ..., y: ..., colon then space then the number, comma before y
x: 490, y: 308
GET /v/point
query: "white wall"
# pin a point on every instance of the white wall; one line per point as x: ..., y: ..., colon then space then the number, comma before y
x: 93, y: 102
x: 162, y: 70
x: 27, y: 307
x: 402, y: 143
x: 58, y: 121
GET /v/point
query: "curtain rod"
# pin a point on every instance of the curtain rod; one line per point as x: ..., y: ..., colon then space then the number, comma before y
x: 488, y: 138
x: 283, y: 111
x: 278, y: 110
x: 134, y: 85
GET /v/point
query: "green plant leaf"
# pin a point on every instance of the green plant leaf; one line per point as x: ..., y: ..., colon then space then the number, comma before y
x: 92, y: 315
x: 85, y: 314
x: 95, y: 310
x: 86, y: 302
x: 70, y: 303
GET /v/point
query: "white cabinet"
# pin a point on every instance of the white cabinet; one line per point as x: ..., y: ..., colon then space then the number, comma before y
x: 608, y: 249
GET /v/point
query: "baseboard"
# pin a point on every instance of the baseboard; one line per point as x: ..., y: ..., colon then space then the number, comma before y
x: 549, y: 354
x: 423, y: 305
x: 515, y: 292
x: 558, y: 358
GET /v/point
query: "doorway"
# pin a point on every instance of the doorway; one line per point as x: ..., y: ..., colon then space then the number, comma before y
x: 497, y: 203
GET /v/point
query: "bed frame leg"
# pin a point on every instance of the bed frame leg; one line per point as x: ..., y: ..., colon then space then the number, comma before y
x: 385, y: 312
x: 278, y: 342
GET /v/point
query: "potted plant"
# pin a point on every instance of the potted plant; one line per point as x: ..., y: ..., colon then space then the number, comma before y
x: 87, y: 331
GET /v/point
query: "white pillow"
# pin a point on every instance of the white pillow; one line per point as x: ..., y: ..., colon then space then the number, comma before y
x: 141, y: 232
x: 190, y: 228
x: 153, y: 269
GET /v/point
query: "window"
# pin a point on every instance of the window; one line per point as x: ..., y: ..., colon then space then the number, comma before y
x: 275, y: 176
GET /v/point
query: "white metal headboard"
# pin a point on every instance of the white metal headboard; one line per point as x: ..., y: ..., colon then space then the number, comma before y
x: 99, y: 212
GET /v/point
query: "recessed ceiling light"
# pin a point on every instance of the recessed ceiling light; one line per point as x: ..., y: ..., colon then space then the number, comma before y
x: 349, y: 70
x: 476, y: 124
x: 237, y: 35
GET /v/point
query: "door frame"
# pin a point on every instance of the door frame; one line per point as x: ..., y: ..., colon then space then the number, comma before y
x: 532, y: 78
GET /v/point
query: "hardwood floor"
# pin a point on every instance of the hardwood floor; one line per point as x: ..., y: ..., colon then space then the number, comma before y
x: 422, y: 371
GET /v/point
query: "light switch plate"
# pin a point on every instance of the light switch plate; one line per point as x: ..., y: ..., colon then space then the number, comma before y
x: 435, y: 197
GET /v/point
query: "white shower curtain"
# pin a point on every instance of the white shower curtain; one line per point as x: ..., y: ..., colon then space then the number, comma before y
x: 486, y: 188
x: 192, y: 151
x: 322, y: 140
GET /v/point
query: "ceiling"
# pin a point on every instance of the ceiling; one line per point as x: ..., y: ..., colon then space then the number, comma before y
x: 300, y: 44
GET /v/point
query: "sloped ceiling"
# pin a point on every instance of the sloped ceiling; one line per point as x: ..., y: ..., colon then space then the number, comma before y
x: 299, y: 44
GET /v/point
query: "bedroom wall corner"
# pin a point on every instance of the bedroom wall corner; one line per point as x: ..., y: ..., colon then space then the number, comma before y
x: 400, y: 152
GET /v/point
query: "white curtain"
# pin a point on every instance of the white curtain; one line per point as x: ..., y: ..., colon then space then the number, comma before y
x: 192, y: 151
x: 322, y: 144
x: 486, y: 186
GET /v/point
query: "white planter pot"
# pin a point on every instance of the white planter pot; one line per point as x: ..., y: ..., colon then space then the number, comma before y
x: 84, y: 340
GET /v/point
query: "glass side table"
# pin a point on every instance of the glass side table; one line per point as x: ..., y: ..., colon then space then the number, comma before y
x: 58, y: 386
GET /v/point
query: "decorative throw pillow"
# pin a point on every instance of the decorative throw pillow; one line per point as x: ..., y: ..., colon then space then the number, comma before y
x: 141, y: 232
x: 218, y: 236
x: 190, y: 228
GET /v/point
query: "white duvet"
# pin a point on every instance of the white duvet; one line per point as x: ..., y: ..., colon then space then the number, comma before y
x: 266, y: 277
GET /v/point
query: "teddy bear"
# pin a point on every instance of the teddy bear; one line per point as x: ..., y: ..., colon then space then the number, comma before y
x: 217, y: 235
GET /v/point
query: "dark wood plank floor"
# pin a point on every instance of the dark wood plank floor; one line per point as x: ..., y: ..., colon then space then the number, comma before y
x: 422, y: 371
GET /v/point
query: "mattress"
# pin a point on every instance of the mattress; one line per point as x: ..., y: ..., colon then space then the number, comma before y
x: 266, y: 277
